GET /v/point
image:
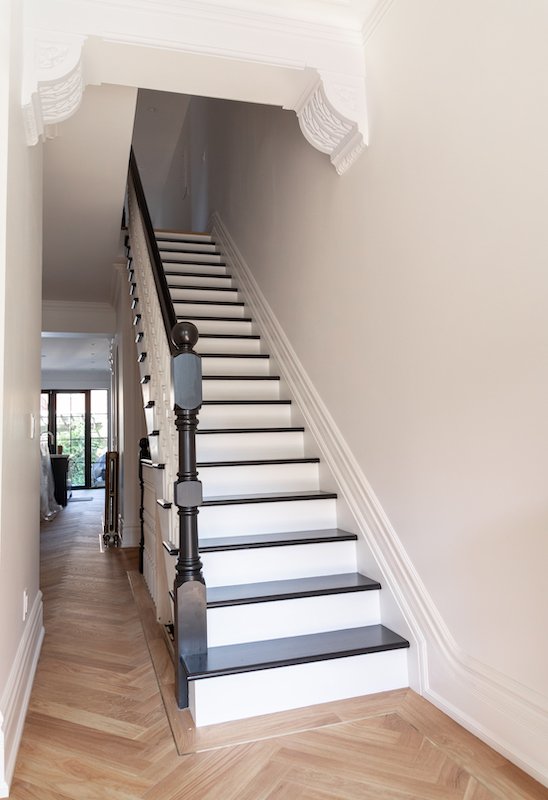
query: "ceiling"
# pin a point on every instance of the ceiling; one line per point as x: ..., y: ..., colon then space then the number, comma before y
x: 73, y: 353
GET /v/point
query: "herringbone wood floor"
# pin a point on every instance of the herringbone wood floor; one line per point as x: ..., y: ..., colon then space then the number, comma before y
x: 97, y: 727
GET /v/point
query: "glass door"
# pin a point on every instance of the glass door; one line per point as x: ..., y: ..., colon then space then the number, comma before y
x: 78, y: 422
x: 99, y: 436
x: 71, y: 433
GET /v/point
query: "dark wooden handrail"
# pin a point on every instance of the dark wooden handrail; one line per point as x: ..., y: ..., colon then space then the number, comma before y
x: 164, y: 297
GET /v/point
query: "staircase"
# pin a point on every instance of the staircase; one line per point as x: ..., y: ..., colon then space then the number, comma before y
x: 291, y: 622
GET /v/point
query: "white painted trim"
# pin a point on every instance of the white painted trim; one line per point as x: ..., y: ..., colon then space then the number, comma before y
x: 15, y: 699
x: 503, y: 713
x: 375, y: 18
x: 130, y: 534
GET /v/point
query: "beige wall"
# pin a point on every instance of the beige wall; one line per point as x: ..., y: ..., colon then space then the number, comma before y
x: 20, y: 314
x: 414, y: 291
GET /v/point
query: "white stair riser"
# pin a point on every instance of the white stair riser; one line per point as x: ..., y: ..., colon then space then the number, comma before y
x: 296, y: 617
x: 187, y: 244
x: 267, y: 691
x: 241, y: 390
x: 145, y: 391
x: 235, y: 366
x: 223, y: 326
x: 208, y: 310
x: 172, y: 269
x: 259, y: 478
x: 198, y: 293
x: 188, y: 258
x: 155, y: 449
x: 284, y: 516
x: 203, y: 238
x: 231, y: 346
x: 278, y: 563
x: 215, y: 281
x: 245, y: 446
x: 245, y: 416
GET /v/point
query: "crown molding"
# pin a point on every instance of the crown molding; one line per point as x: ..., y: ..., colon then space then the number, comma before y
x: 375, y: 18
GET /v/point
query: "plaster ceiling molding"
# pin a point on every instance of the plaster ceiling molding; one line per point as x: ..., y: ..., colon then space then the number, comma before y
x: 333, y: 118
x: 53, y: 82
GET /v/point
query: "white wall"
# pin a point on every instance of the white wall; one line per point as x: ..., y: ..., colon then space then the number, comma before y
x: 75, y: 379
x: 159, y: 120
x: 20, y: 286
x: 414, y: 291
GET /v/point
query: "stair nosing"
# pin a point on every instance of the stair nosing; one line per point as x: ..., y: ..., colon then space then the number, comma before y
x: 246, y: 336
x: 198, y: 288
x: 210, y: 302
x: 281, y: 429
x: 260, y: 462
x: 240, y: 377
x: 264, y: 356
x: 245, y: 402
x: 183, y: 318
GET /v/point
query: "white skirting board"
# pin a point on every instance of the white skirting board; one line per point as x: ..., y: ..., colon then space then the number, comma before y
x: 15, y: 699
x: 130, y: 534
x: 501, y: 712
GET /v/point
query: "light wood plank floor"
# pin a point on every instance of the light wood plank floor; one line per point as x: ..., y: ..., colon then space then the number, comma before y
x: 97, y: 727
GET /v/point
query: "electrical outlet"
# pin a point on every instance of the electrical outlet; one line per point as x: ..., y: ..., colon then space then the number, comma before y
x: 25, y: 604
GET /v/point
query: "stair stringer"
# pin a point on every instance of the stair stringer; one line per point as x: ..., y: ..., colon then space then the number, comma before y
x: 356, y: 504
x: 154, y: 359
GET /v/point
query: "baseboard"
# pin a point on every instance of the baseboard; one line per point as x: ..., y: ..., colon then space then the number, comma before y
x: 15, y: 699
x: 130, y: 534
x: 501, y: 712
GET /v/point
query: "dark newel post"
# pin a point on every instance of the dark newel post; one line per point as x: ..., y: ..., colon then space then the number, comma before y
x: 189, y: 589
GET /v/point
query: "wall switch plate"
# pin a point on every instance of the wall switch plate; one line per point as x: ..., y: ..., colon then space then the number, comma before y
x: 25, y: 604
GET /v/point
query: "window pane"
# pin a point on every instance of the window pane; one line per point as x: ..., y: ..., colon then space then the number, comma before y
x: 99, y: 401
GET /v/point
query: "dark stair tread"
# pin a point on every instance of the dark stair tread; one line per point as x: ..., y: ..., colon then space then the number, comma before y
x: 210, y: 302
x: 267, y: 497
x: 245, y: 336
x: 240, y: 377
x: 245, y: 402
x: 197, y: 275
x: 182, y: 318
x: 235, y: 355
x: 257, y: 462
x: 258, y: 540
x: 242, y: 594
x: 253, y: 656
x: 293, y: 429
x: 204, y: 288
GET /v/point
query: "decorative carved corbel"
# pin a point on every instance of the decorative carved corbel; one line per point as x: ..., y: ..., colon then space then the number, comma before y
x: 333, y: 118
x: 53, y: 83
